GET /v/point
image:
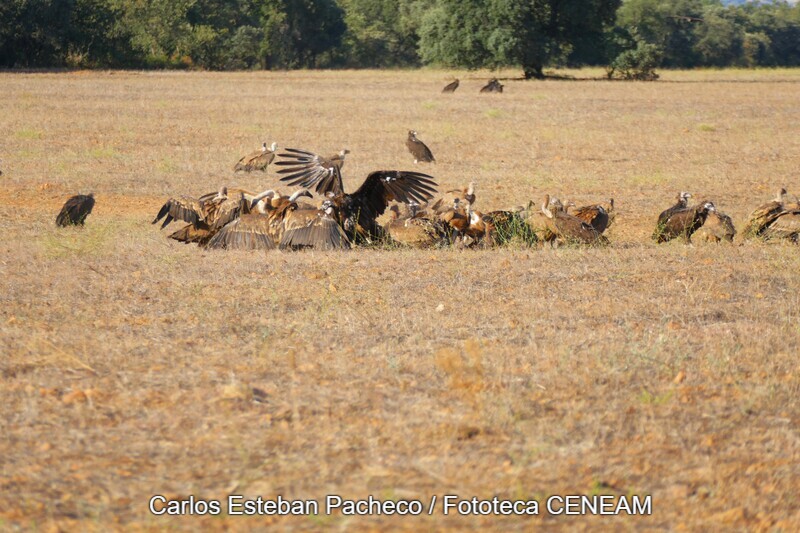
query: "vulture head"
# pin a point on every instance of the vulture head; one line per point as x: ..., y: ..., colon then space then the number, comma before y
x: 344, y: 152
x: 470, y: 195
x: 257, y: 199
x: 412, y: 134
x: 780, y: 196
x: 708, y: 207
x: 327, y: 207
x: 273, y: 147
x: 298, y: 193
x: 413, y: 208
x: 546, y: 206
x: 223, y: 193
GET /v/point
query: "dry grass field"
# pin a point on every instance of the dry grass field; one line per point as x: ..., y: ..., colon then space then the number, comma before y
x: 132, y: 365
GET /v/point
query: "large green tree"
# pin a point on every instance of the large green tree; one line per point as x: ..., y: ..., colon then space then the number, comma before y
x: 528, y: 33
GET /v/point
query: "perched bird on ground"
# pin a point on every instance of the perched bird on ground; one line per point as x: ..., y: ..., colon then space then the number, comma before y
x: 319, y: 230
x: 451, y: 87
x: 258, y: 160
x: 418, y: 149
x: 598, y: 216
x: 567, y: 228
x: 717, y: 227
x: 681, y: 221
x: 75, y: 210
x: 494, y: 86
x: 765, y: 214
x: 414, y: 230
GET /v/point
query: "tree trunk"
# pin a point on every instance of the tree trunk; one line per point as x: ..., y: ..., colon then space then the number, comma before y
x: 533, y: 71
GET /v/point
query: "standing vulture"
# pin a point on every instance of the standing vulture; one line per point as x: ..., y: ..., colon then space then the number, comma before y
x: 451, y: 87
x: 596, y: 215
x: 681, y: 222
x: 75, y: 210
x: 567, y: 228
x: 204, y: 217
x: 765, y: 214
x: 494, y: 86
x: 718, y: 227
x: 418, y: 149
x: 258, y: 160
x: 357, y: 212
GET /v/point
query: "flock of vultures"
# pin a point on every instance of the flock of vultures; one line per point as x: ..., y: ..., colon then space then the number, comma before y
x: 418, y: 217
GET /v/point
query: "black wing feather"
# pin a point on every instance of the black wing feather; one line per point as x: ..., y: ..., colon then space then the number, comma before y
x: 308, y: 170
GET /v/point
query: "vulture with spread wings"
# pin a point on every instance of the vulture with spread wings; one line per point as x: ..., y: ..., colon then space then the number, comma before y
x: 357, y: 212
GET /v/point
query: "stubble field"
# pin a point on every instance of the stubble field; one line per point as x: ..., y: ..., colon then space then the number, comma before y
x: 133, y: 365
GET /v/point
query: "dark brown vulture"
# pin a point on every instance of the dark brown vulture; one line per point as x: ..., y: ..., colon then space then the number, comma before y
x: 357, y: 212
x: 451, y: 87
x: 414, y: 230
x: 596, y: 215
x: 421, y: 153
x: 494, y: 86
x: 681, y: 222
x: 324, y: 171
x: 567, y: 228
x: 718, y: 227
x: 258, y: 160
x: 75, y: 210
x: 204, y: 217
x: 765, y: 214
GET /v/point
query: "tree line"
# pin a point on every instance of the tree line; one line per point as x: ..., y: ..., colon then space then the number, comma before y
x: 631, y: 38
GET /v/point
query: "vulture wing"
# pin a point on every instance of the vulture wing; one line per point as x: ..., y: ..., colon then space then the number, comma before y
x: 248, y: 232
x: 75, y: 210
x: 762, y: 217
x: 321, y: 233
x: 189, y: 233
x: 228, y: 210
x: 383, y: 186
x: 785, y: 227
x: 311, y: 170
x: 594, y: 215
x: 182, y: 208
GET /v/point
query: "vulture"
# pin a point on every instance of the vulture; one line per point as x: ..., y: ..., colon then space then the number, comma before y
x: 415, y: 230
x: 258, y: 160
x: 324, y: 171
x: 75, y: 210
x: 467, y: 195
x: 494, y: 86
x: 456, y: 219
x: 451, y: 87
x: 319, y: 230
x: 681, y: 221
x: 418, y: 149
x: 596, y: 215
x: 357, y: 212
x: 765, y: 215
x: 718, y: 227
x: 262, y: 227
x: 204, y: 216
x: 568, y: 228
x: 786, y: 226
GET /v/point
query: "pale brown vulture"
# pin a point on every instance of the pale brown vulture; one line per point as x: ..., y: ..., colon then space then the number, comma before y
x: 765, y: 214
x: 451, y: 87
x: 357, y: 212
x: 319, y: 230
x: 258, y: 160
x: 418, y: 149
x: 415, y: 229
x: 204, y: 217
x: 567, y: 228
x: 718, y: 227
x: 75, y: 210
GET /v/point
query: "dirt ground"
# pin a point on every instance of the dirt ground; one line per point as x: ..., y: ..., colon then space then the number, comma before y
x: 132, y: 365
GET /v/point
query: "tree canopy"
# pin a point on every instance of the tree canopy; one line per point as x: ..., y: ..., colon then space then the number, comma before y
x: 277, y: 34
